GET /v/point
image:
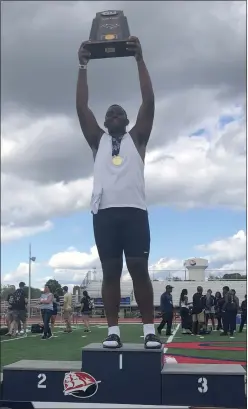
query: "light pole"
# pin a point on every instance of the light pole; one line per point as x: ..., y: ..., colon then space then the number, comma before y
x: 30, y: 259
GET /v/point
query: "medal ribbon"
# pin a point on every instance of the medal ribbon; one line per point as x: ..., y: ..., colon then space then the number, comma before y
x: 116, y: 144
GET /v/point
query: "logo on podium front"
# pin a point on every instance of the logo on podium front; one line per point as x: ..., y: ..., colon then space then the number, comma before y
x: 80, y: 385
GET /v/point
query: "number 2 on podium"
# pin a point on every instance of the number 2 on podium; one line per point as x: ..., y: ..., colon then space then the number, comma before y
x: 42, y: 378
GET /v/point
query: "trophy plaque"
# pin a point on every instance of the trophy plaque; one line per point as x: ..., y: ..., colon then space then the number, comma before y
x: 108, y: 36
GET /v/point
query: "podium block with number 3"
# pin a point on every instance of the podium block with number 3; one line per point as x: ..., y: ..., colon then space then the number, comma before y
x: 203, y: 385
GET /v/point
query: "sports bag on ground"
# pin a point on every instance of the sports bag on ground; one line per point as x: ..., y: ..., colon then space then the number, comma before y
x: 37, y: 328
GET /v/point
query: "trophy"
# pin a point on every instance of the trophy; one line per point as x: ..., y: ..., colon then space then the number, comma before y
x: 108, y: 36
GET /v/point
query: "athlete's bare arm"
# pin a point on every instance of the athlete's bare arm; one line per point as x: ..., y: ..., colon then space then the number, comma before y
x: 88, y: 123
x: 144, y: 122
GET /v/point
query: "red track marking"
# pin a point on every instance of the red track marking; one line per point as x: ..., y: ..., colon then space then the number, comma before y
x: 223, y: 342
x: 190, y: 360
x: 198, y: 345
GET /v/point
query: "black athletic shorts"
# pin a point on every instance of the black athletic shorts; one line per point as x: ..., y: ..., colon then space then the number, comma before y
x: 122, y: 229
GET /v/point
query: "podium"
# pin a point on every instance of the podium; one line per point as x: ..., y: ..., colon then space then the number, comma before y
x: 38, y: 381
x: 131, y: 375
x: 204, y: 385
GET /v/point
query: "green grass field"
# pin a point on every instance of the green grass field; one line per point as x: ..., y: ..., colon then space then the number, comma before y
x: 68, y: 347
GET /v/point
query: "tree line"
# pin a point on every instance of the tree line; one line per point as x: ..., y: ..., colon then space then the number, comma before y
x: 56, y: 288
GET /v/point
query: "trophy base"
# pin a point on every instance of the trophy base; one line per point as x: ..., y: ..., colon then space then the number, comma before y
x: 108, y: 49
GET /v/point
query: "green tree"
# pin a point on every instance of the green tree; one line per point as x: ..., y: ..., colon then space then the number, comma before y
x: 233, y: 276
x: 35, y: 293
x: 55, y: 286
x: 9, y: 289
x: 6, y: 290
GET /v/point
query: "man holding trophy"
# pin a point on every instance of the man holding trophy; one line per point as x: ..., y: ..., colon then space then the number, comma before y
x: 120, y: 217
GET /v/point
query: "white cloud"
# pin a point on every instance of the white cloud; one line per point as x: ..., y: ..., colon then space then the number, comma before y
x: 198, y: 76
x: 230, y: 251
x: 194, y: 172
x: 11, y: 232
x: 72, y: 265
x: 225, y: 254
x: 74, y: 259
x: 35, y: 203
x: 20, y: 274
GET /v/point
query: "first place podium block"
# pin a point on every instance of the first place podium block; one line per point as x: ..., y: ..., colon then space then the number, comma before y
x: 128, y: 375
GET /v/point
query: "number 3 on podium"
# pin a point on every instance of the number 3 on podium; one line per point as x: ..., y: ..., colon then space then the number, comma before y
x: 203, y: 385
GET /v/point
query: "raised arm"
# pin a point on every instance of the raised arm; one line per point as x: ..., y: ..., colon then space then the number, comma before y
x: 144, y: 122
x: 88, y: 123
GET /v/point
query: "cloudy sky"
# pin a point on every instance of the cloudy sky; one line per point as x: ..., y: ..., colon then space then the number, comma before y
x: 195, y: 164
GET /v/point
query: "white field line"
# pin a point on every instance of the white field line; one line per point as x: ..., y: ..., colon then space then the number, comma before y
x: 29, y: 336
x: 170, y: 339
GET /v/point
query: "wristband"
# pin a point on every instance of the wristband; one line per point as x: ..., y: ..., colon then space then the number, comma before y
x: 83, y: 66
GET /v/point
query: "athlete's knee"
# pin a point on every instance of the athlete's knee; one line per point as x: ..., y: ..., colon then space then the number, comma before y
x: 138, y: 268
x: 112, y: 270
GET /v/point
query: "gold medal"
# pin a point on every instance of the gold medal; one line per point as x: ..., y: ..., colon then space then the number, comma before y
x: 117, y: 160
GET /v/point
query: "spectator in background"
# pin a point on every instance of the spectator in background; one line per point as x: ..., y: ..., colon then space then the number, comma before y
x: 9, y: 313
x: 218, y: 310
x: 185, y: 312
x: 67, y: 309
x: 46, y: 306
x: 166, y: 307
x: 236, y: 300
x: 19, y: 312
x: 86, y: 308
x: 243, y: 314
x: 230, y: 310
x: 210, y: 308
x: 56, y: 305
x: 198, y: 315
x: 233, y: 292
x: 222, y: 301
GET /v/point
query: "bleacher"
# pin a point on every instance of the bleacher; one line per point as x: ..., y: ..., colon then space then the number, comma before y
x: 94, y: 289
